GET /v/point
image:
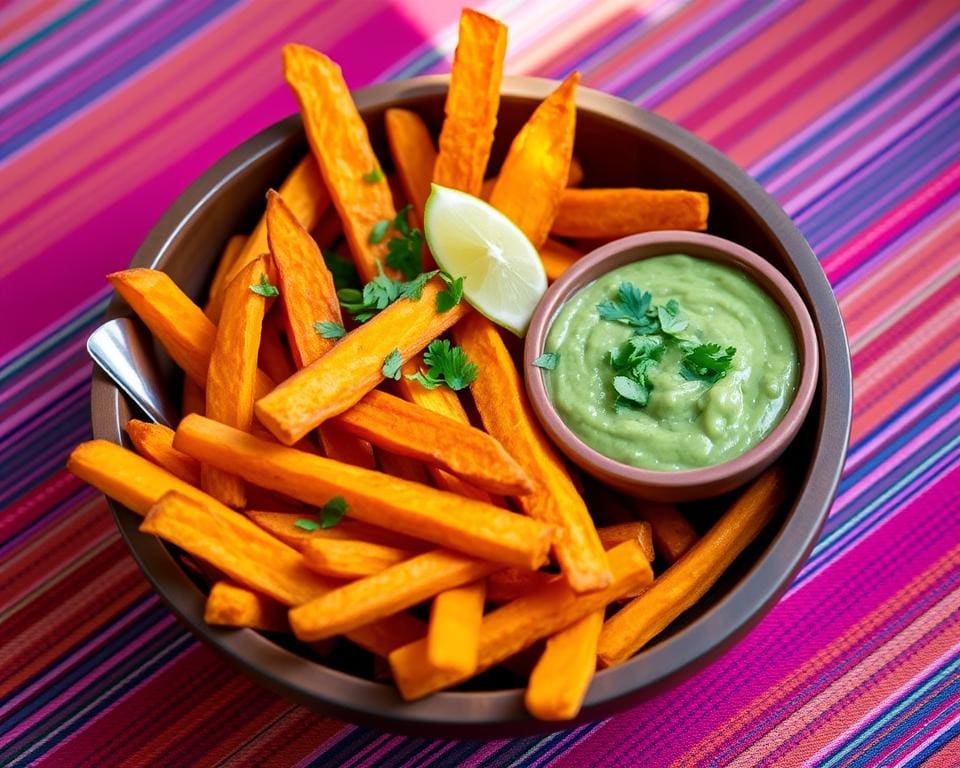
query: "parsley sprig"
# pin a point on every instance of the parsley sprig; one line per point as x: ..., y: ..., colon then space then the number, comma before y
x: 447, y: 365
x: 655, y: 327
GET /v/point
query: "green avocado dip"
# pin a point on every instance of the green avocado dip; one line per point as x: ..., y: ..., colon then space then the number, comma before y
x: 671, y: 363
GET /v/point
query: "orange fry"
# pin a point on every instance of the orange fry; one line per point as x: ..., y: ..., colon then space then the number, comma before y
x: 349, y: 558
x: 414, y: 156
x: 511, y: 583
x: 518, y: 625
x: 284, y: 526
x: 639, y: 531
x: 557, y: 258
x: 274, y: 358
x: 176, y: 322
x: 394, y: 589
x: 561, y: 677
x: 339, y: 140
x: 232, y: 372
x: 230, y: 605
x: 226, y: 266
x: 409, y: 430
x: 328, y: 230
x: 610, y: 213
x: 402, y: 466
x: 192, y: 397
x: 416, y: 510
x: 574, y: 177
x: 686, y: 581
x: 354, y: 366
x: 155, y: 442
x: 672, y: 533
x: 472, y: 103
x: 454, y: 631
x: 506, y: 414
x: 535, y: 171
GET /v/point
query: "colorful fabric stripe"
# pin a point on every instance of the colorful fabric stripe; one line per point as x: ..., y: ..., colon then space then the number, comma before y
x: 847, y: 112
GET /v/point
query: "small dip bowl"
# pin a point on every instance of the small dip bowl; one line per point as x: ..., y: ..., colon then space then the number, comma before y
x: 687, y: 484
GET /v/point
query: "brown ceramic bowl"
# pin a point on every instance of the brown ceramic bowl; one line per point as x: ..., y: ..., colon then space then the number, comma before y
x: 618, y: 144
x: 692, y: 484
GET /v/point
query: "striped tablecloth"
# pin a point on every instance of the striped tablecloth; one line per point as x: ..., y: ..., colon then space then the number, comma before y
x: 846, y: 111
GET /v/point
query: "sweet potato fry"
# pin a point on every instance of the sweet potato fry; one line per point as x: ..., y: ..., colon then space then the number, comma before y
x: 561, y: 677
x: 416, y: 510
x: 672, y: 533
x: 472, y: 103
x: 506, y: 414
x: 274, y: 358
x: 517, y: 625
x: 384, y: 636
x: 155, y: 442
x: 394, y: 589
x: 350, y: 558
x: 176, y: 322
x: 454, y: 630
x: 535, y: 171
x: 283, y: 525
x: 414, y: 156
x: 402, y: 467
x: 409, y: 430
x: 639, y: 531
x: 557, y: 258
x: 226, y: 266
x: 511, y: 583
x: 230, y: 605
x: 686, y: 581
x: 339, y: 140
x: 192, y: 397
x: 574, y: 177
x: 232, y: 371
x: 611, y: 213
x: 328, y: 230
x: 354, y: 366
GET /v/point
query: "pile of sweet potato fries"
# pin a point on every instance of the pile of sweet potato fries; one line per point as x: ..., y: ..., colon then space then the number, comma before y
x: 332, y: 500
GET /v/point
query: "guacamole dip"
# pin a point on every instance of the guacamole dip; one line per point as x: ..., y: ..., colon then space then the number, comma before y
x: 680, y: 415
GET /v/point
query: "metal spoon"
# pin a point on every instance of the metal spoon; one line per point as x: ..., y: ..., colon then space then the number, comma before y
x: 124, y: 350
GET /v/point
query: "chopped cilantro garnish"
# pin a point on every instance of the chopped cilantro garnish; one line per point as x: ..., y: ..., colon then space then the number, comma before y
x: 548, y: 360
x: 372, y: 177
x: 671, y: 320
x: 450, y: 297
x: 380, y: 292
x: 330, y: 330
x: 631, y: 307
x: 392, y: 364
x: 264, y: 288
x: 343, y: 271
x: 379, y: 231
x: 446, y: 364
x: 706, y: 362
x: 405, y: 251
x: 333, y: 512
x: 306, y: 524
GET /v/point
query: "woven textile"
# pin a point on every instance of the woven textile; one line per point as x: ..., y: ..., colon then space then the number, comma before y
x: 847, y: 112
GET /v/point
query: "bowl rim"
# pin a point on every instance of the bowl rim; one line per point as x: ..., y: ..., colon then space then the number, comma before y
x: 501, y: 712
x: 628, y: 250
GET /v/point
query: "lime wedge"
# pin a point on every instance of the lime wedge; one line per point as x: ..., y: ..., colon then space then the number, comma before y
x: 503, y: 276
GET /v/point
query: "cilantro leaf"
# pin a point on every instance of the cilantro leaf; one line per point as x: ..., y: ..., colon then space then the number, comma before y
x: 333, y: 512
x: 264, y: 288
x: 635, y: 350
x: 343, y: 271
x: 706, y: 362
x: 548, y: 361
x: 379, y: 231
x: 330, y: 330
x: 449, y: 298
x: 372, y: 177
x: 631, y: 393
x: 631, y: 306
x: 380, y: 293
x: 306, y: 524
x: 446, y: 364
x: 392, y: 364
x: 405, y: 252
x: 413, y: 289
x: 671, y: 320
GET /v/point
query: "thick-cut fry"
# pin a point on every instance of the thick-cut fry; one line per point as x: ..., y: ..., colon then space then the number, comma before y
x: 686, y: 581
x: 407, y: 429
x: 192, y: 397
x: 472, y: 103
x: 284, y: 526
x: 305, y: 193
x: 574, y: 177
x: 233, y: 368
x: 560, y: 680
x: 672, y: 533
x: 511, y: 583
x: 226, y: 266
x: 176, y: 322
x: 535, y: 171
x: 354, y: 366
x: 394, y: 589
x: 384, y: 636
x: 155, y: 442
x: 309, y: 298
x: 506, y: 414
x: 274, y: 358
x: 454, y: 631
x: 557, y: 258
x: 230, y: 605
x: 350, y: 559
x: 339, y: 140
x: 609, y: 213
x: 402, y: 466
x: 639, y: 531
x: 517, y: 625
x: 427, y: 513
x: 414, y: 156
